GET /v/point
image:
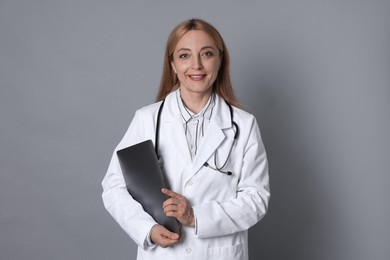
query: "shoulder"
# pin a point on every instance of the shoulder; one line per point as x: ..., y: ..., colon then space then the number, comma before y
x: 242, y: 115
x: 238, y: 113
x: 247, y: 123
x: 149, y: 109
x: 145, y: 117
x: 153, y: 108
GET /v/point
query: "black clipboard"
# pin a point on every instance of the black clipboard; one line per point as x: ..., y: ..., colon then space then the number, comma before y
x: 144, y: 181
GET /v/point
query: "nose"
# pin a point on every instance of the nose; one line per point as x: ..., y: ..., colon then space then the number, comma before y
x: 197, y: 63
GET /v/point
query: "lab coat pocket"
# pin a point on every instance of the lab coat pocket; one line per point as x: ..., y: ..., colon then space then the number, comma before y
x: 235, y: 252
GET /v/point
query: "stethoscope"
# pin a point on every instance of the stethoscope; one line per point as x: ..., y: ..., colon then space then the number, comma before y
x: 216, y: 167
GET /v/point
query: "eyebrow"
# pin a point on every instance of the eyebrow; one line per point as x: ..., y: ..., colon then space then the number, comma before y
x: 187, y: 49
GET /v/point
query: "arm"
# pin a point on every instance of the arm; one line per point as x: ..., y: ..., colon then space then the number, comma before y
x: 124, y: 209
x: 251, y: 202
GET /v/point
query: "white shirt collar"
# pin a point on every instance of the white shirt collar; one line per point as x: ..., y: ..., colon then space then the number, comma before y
x: 187, y: 114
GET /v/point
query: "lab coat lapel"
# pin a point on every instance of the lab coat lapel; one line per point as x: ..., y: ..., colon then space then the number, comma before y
x: 174, y: 128
x: 214, y: 136
x: 178, y: 140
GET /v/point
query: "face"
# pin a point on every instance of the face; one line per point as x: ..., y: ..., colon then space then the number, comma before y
x: 196, y: 62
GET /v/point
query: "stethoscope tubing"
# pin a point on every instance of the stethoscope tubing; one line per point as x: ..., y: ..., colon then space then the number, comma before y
x: 236, y: 134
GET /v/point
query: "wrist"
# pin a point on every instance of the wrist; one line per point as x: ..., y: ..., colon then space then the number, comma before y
x: 192, y: 222
x: 150, y: 234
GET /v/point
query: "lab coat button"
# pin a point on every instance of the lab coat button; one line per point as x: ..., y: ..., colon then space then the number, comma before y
x: 188, y: 250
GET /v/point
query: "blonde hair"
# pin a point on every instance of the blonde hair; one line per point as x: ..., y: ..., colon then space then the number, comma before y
x: 169, y: 81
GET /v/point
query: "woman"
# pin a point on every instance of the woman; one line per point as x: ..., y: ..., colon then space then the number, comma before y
x: 214, y: 158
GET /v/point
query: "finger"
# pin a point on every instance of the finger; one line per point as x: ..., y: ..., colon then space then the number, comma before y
x: 169, y: 235
x: 166, y: 242
x: 169, y: 202
x: 170, y: 208
x: 176, y: 213
x: 170, y: 214
x: 170, y: 193
x: 163, y: 237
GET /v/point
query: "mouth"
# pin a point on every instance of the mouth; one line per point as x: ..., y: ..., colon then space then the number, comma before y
x: 197, y: 77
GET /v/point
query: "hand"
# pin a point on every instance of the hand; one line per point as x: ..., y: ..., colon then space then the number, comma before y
x: 163, y: 237
x: 177, y: 206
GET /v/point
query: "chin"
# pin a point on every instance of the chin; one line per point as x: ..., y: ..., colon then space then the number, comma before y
x: 201, y: 89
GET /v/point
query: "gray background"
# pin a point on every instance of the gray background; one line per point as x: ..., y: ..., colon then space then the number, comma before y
x: 314, y: 73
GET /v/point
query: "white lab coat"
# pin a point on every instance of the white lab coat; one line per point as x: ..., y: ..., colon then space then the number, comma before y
x: 225, y: 206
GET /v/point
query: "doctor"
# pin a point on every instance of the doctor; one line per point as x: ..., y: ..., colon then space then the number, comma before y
x: 214, y: 159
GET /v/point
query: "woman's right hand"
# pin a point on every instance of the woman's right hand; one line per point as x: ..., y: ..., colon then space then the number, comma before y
x: 163, y: 237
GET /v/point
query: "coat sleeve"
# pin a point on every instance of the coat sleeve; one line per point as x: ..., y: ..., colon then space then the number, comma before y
x: 119, y: 203
x: 251, y: 202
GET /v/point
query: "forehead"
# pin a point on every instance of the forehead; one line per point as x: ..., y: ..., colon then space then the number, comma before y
x: 195, y: 39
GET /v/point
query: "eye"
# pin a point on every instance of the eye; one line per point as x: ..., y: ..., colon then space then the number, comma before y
x: 184, y: 56
x: 208, y: 54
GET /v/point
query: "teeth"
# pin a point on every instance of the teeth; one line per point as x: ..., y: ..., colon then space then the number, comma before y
x: 196, y: 77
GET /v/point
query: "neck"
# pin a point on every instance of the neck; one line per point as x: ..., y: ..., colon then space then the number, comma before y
x: 195, y: 102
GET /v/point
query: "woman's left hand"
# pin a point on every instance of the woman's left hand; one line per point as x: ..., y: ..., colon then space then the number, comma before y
x: 178, y: 206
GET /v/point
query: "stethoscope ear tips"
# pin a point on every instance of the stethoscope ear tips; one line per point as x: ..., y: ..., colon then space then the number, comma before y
x: 229, y: 173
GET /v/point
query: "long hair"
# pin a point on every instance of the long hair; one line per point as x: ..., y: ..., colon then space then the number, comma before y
x: 169, y: 81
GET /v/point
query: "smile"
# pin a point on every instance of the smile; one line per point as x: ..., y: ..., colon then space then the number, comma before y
x: 197, y: 76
